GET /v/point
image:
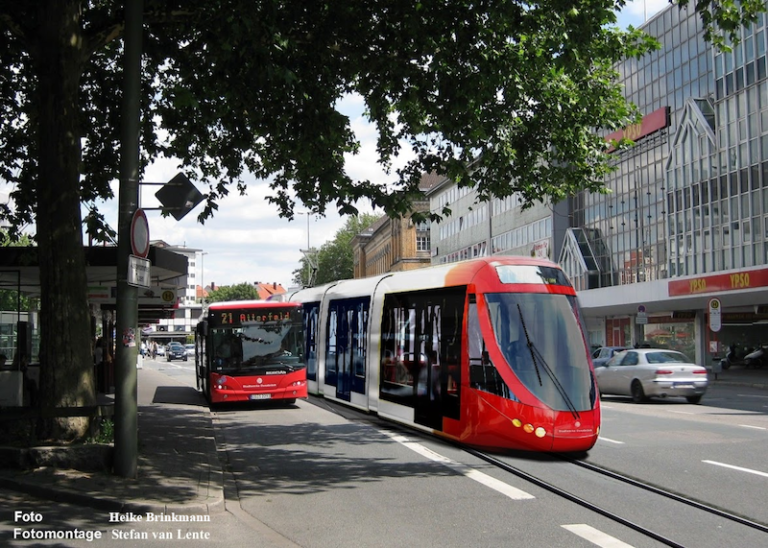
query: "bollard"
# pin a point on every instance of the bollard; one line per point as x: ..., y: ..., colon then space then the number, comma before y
x: 717, y: 367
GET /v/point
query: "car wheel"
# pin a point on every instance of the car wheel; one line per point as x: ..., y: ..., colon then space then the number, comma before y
x: 638, y: 395
x: 693, y: 399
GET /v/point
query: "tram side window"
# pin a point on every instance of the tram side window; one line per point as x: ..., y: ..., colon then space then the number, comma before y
x: 346, y: 342
x: 330, y: 348
x: 358, y: 326
x: 482, y: 373
x: 311, y: 312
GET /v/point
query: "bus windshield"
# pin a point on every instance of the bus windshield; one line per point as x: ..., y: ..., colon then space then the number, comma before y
x: 258, y: 347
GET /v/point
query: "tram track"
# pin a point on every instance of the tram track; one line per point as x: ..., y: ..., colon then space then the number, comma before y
x: 646, y: 531
x: 496, y: 461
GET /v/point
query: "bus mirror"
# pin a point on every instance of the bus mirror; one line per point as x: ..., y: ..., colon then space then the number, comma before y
x: 203, y: 328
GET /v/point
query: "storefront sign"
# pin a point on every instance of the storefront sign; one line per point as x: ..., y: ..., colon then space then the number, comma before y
x: 719, y: 282
x: 651, y: 123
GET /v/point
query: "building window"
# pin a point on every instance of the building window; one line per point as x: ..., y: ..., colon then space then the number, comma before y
x: 422, y: 243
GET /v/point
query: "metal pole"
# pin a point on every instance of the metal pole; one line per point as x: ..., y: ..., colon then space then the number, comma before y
x: 202, y: 277
x: 309, y: 272
x: 126, y: 412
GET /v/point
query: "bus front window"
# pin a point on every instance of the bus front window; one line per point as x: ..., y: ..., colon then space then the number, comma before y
x: 259, y: 346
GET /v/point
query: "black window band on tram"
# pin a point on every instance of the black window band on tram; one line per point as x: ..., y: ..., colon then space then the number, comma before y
x: 531, y: 274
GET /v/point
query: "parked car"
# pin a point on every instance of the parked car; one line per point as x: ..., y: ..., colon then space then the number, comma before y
x: 190, y: 348
x: 160, y: 350
x: 605, y: 353
x: 175, y: 351
x: 652, y: 372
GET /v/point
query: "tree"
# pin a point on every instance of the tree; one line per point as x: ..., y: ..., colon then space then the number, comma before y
x: 240, y: 292
x: 335, y: 258
x: 516, y: 89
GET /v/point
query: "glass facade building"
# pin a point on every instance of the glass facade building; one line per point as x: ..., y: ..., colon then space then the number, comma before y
x: 690, y: 198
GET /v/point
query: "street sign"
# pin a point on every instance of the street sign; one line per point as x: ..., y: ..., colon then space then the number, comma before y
x: 715, y: 315
x: 138, y: 271
x: 179, y: 196
x: 140, y: 234
x: 642, y: 316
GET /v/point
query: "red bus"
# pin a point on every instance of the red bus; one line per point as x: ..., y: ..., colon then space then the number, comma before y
x: 251, y: 350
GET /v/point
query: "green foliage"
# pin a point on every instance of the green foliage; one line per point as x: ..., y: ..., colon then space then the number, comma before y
x: 240, y: 292
x: 722, y: 19
x: 104, y: 431
x: 334, y: 260
x: 10, y: 299
x: 517, y: 87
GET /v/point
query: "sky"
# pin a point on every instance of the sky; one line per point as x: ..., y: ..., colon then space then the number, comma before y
x: 246, y: 241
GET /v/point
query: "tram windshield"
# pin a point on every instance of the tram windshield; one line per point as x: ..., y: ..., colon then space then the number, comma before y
x: 541, y: 340
x: 258, y: 346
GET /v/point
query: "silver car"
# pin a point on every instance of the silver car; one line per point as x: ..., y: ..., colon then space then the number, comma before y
x: 605, y: 353
x: 652, y: 372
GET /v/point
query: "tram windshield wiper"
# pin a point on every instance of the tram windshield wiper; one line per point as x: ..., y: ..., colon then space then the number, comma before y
x: 537, y: 357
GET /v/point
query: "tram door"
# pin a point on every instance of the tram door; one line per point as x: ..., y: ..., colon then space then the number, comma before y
x: 421, y: 346
x: 346, y: 348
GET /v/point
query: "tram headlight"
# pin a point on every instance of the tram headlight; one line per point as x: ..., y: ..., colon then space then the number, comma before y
x: 528, y: 428
x: 540, y: 432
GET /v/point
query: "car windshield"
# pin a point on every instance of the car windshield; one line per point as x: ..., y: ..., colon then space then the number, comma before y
x: 541, y: 340
x: 666, y: 356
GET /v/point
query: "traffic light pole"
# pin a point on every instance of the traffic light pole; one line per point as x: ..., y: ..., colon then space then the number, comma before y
x: 126, y: 406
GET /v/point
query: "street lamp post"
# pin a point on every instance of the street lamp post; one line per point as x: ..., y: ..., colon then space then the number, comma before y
x: 307, y: 252
x: 202, y: 277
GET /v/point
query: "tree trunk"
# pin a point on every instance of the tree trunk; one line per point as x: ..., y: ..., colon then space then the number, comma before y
x: 66, y: 361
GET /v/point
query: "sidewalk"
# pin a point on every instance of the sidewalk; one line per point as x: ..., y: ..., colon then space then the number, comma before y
x: 178, y: 466
x: 739, y: 375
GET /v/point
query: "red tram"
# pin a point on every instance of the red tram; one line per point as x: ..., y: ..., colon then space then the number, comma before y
x: 488, y: 352
x: 251, y: 350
